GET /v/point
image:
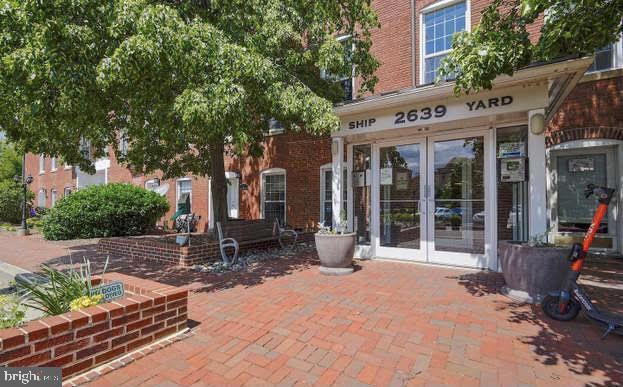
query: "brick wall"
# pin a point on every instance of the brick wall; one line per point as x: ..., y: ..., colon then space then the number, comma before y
x: 594, y: 109
x: 78, y: 341
x: 162, y: 249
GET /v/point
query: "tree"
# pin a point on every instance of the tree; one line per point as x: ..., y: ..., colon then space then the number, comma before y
x: 179, y: 82
x: 501, y: 44
x: 10, y: 161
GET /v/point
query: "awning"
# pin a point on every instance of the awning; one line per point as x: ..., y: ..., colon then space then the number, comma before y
x: 539, y: 86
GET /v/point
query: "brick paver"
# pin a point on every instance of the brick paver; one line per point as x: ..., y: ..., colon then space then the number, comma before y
x: 387, y: 324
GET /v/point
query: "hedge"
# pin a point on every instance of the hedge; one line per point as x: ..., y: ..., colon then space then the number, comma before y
x: 104, y: 211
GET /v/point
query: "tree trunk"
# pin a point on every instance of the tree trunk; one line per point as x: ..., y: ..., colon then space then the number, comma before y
x: 219, y: 184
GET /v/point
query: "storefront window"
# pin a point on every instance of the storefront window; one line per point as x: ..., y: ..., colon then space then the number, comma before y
x: 362, y: 179
x: 512, y: 188
x: 574, y: 173
x: 326, y: 182
x: 400, y: 196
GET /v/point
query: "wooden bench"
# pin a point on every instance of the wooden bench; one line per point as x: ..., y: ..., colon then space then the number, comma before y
x: 237, y: 233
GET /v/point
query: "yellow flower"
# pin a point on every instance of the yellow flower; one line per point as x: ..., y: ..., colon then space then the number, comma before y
x: 85, y: 301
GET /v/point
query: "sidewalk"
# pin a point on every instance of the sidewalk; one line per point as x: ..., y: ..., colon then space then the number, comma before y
x: 387, y: 324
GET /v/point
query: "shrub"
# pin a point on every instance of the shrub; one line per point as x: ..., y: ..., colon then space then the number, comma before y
x: 11, y: 198
x: 104, y: 211
x: 12, y: 313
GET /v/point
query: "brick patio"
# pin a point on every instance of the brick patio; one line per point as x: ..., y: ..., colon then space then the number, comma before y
x: 388, y: 323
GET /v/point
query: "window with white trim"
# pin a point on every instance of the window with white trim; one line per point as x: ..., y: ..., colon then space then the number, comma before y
x: 608, y: 58
x: 274, y: 195
x: 41, y: 163
x: 41, y: 196
x: 346, y: 81
x: 440, y: 22
x: 326, y: 193
x: 67, y: 191
x: 53, y: 164
x: 184, y: 185
x: 53, y: 197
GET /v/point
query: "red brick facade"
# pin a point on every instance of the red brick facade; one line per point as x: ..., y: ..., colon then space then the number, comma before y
x: 593, y: 110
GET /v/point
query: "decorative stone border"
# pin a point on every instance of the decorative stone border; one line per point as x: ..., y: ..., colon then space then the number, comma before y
x: 80, y: 340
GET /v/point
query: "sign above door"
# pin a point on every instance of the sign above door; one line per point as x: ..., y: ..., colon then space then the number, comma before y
x: 429, y: 113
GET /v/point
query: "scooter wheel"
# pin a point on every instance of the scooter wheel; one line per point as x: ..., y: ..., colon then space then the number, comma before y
x: 550, y: 307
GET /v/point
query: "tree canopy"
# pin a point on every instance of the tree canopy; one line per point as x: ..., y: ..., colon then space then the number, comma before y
x: 501, y: 44
x: 172, y: 84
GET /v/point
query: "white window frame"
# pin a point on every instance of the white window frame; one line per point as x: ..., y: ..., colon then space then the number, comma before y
x: 617, y: 57
x: 324, y: 75
x: 177, y: 191
x: 435, y: 7
x: 53, y: 166
x: 45, y: 197
x: 41, y: 164
x: 53, y: 197
x: 65, y: 193
x: 270, y: 172
x: 323, y: 170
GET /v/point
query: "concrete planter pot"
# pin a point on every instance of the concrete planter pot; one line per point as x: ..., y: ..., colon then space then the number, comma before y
x: 336, y: 253
x: 531, y: 272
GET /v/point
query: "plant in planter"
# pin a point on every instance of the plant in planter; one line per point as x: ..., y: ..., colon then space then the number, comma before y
x: 57, y: 291
x: 335, y: 248
x: 532, y: 269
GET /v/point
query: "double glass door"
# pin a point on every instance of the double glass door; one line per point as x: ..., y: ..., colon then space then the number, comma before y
x: 431, y: 195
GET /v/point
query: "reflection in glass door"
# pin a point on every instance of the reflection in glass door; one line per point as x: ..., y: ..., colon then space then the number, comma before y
x: 400, y: 187
x: 457, y: 210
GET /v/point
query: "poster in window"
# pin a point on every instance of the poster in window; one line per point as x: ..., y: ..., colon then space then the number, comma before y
x: 402, y: 181
x: 512, y: 150
x: 387, y: 176
x: 512, y: 170
x: 586, y: 164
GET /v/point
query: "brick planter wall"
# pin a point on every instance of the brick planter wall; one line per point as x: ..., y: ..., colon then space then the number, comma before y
x: 81, y: 340
x: 162, y: 249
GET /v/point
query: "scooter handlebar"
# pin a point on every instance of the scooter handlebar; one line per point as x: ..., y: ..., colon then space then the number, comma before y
x: 590, y: 189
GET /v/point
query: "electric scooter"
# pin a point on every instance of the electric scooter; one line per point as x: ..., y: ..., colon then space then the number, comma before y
x: 565, y: 304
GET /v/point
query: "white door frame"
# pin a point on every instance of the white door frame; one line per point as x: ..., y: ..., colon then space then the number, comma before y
x: 487, y: 260
x: 396, y: 252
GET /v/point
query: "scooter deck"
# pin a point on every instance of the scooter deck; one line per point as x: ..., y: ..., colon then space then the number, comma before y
x: 613, y: 321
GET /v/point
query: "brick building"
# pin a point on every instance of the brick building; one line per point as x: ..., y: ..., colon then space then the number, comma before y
x: 421, y: 174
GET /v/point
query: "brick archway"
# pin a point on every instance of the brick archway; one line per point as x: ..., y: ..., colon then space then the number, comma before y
x: 586, y: 133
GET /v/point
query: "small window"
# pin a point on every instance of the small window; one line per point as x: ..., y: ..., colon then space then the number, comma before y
x: 41, y: 198
x: 152, y: 184
x: 53, y: 197
x: 67, y: 191
x: 274, y: 195
x: 326, y: 193
x: 184, y: 195
x: 604, y: 59
x: 41, y: 163
x: 438, y: 29
x: 53, y: 164
x: 124, y: 145
x: 275, y: 127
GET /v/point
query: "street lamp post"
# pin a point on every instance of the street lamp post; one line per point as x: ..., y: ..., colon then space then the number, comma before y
x: 25, y: 181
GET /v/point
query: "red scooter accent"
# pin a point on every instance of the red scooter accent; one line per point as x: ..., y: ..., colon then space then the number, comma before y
x: 565, y: 304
